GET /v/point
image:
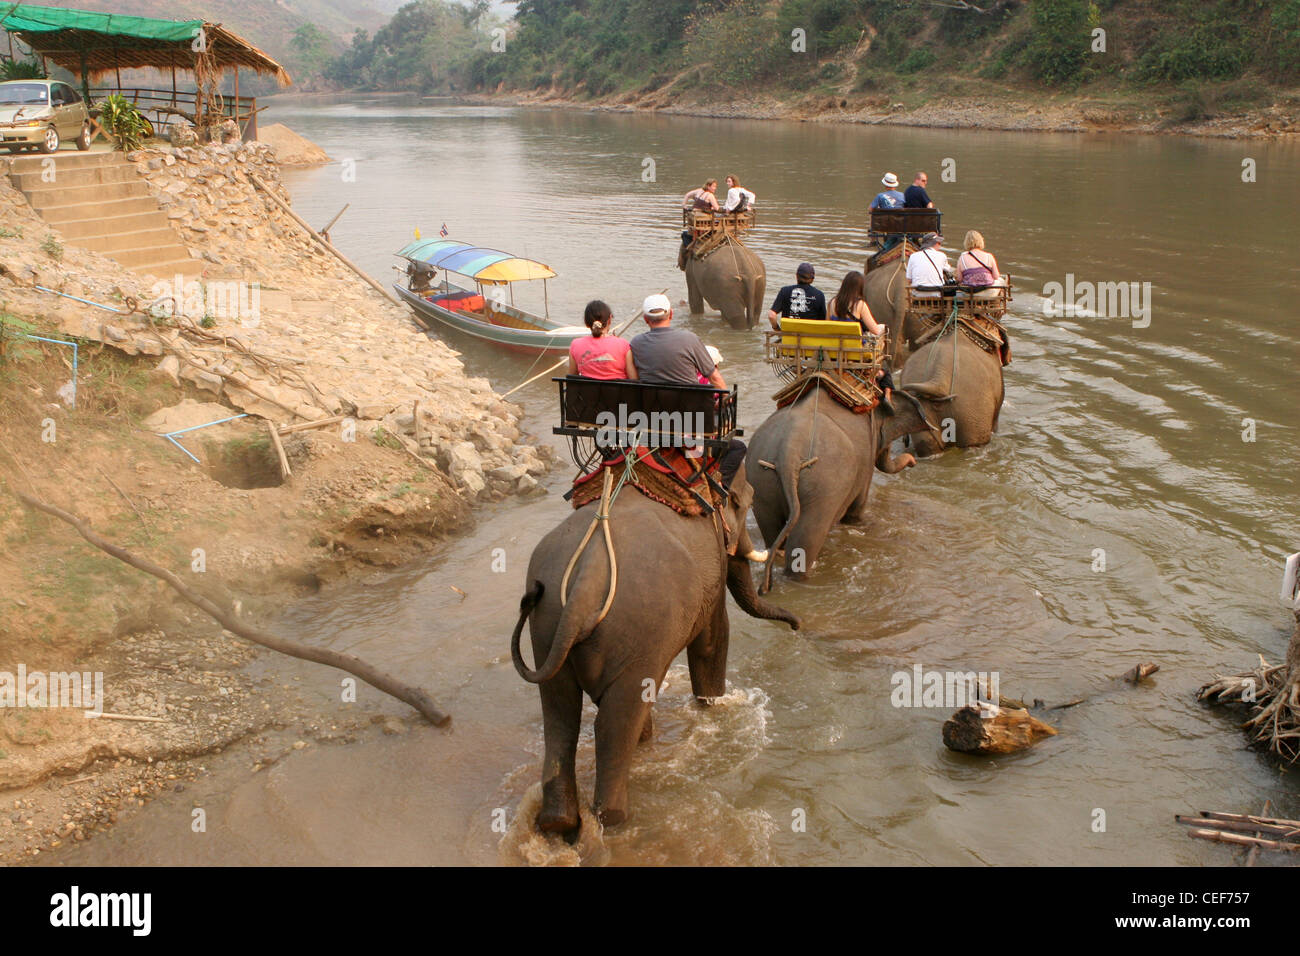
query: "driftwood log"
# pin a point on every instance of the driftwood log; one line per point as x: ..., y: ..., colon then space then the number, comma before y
x: 1005, y: 731
x: 414, y: 696
x: 1009, y: 726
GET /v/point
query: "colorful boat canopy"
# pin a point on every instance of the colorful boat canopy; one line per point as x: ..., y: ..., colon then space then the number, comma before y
x: 485, y: 265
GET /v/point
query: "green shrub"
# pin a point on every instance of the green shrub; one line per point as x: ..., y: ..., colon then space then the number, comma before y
x: 1060, y: 40
x: 1208, y: 51
x: 21, y: 70
x: 123, y: 122
x: 916, y: 61
x: 1285, y: 39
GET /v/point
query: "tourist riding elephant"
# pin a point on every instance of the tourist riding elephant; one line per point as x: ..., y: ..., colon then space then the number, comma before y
x: 811, y: 465
x: 731, y: 279
x: 964, y: 390
x: 886, y: 294
x: 672, y: 572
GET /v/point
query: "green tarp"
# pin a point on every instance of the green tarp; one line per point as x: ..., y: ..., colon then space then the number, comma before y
x: 29, y: 18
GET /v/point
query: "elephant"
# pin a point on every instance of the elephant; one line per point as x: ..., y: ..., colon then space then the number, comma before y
x: 963, y: 384
x: 811, y: 466
x: 973, y: 387
x: 731, y: 279
x: 673, y: 574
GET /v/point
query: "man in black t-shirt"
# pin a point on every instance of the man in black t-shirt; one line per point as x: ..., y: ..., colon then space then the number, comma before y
x: 916, y: 197
x: 799, y: 301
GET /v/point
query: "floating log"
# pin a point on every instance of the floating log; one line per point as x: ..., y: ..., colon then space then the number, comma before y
x: 1004, y: 731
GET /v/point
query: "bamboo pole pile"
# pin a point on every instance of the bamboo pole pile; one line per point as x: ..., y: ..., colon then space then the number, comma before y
x: 1244, y: 830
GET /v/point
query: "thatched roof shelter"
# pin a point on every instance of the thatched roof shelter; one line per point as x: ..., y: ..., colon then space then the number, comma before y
x: 88, y: 43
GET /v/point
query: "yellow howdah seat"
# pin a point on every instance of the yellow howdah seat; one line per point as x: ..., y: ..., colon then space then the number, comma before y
x: 823, y: 340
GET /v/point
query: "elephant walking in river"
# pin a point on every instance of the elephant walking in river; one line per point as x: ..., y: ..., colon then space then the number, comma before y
x: 966, y: 390
x: 731, y: 278
x: 811, y: 465
x: 674, y: 572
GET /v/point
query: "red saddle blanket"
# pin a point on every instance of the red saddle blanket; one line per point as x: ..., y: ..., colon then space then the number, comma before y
x: 668, y: 476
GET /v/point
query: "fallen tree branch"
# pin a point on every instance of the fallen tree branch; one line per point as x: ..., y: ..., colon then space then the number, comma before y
x: 1009, y: 727
x: 414, y: 696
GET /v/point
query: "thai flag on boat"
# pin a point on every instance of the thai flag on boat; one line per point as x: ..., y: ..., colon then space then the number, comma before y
x: 443, y: 231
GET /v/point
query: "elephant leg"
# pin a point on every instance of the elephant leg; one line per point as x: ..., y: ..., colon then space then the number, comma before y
x: 619, y: 721
x: 648, y: 728
x: 561, y: 719
x: 693, y: 294
x: 805, y: 543
x: 858, y: 509
x: 706, y: 656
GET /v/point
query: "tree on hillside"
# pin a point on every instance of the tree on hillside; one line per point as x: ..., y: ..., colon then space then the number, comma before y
x: 311, y: 48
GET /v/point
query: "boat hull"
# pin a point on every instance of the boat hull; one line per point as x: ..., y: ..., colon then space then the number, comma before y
x: 531, y: 340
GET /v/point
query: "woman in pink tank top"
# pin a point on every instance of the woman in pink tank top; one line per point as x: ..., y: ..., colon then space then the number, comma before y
x: 600, y: 355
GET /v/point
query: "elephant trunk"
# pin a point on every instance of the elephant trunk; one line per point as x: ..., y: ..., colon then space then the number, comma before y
x: 740, y: 582
x: 892, y: 464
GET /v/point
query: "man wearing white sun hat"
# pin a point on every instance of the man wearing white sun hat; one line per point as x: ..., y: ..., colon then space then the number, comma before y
x: 668, y: 356
x: 891, y: 198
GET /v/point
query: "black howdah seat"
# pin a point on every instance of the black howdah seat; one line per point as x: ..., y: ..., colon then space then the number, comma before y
x: 619, y: 414
x: 904, y: 222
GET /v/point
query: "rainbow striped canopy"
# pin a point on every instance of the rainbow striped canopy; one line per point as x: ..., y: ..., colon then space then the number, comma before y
x: 477, y: 262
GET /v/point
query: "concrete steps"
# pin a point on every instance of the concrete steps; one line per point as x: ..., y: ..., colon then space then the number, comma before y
x: 99, y: 202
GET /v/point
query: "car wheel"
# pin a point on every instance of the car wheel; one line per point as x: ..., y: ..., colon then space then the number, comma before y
x: 83, y: 141
x: 51, y: 142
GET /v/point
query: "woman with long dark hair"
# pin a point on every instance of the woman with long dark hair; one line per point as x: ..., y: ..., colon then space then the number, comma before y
x: 850, y: 305
x: 602, y: 354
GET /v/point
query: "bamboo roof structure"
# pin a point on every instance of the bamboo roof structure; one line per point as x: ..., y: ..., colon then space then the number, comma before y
x: 85, y: 42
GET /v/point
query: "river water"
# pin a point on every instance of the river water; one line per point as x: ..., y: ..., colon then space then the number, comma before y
x: 1127, y: 439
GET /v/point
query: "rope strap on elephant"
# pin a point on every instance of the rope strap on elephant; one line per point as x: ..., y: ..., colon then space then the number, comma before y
x: 608, y: 492
x: 668, y: 476
x: 986, y: 333
x: 706, y: 246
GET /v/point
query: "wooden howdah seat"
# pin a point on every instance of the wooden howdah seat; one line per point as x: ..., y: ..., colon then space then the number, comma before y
x: 807, y: 345
x: 616, y: 415
x: 904, y: 222
x: 808, y: 353
x: 990, y: 302
x: 700, y: 223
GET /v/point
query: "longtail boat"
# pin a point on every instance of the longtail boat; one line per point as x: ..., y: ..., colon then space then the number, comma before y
x: 479, y: 307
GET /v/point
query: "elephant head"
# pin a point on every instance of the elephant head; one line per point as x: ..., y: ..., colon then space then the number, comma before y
x: 962, y: 384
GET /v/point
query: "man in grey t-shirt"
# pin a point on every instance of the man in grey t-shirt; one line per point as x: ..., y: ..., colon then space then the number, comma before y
x: 668, y: 356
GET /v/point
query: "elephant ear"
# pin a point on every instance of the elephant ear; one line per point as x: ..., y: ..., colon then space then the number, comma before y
x: 740, y: 497
x: 928, y: 372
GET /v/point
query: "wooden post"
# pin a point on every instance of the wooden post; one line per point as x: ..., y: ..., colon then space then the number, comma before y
x: 285, y: 471
x: 315, y: 235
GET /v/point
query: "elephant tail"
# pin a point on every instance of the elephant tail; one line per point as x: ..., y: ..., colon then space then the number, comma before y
x: 789, y: 485
x: 576, y: 623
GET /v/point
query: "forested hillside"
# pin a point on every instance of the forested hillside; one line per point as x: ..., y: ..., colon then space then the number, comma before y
x: 1202, y: 53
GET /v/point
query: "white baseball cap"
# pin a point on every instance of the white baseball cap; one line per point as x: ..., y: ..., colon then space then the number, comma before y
x: 656, y: 305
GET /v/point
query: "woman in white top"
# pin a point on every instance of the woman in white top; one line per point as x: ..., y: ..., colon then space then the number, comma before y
x: 734, y: 193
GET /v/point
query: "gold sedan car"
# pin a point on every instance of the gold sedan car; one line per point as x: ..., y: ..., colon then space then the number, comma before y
x: 40, y: 114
